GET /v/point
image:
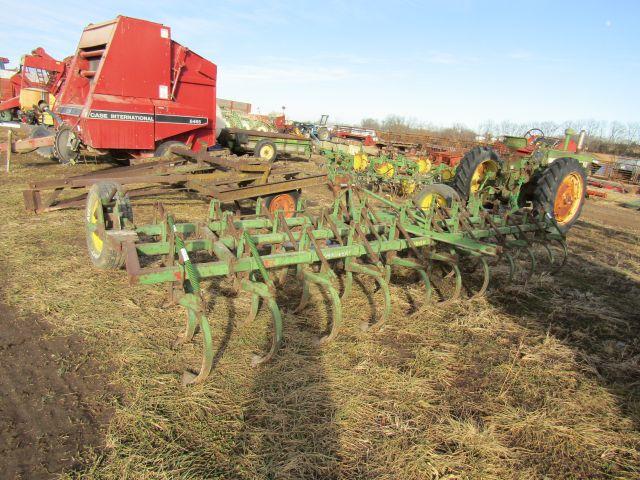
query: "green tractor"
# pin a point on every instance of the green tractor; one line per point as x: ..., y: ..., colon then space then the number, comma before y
x: 547, y: 173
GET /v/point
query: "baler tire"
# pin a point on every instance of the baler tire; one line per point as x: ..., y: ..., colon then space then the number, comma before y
x: 258, y: 150
x: 475, y: 157
x: 104, y: 255
x: 291, y: 198
x: 323, y: 134
x: 425, y: 196
x: 64, y: 155
x: 6, y: 116
x: 545, y: 195
x: 39, y: 132
x: 162, y: 151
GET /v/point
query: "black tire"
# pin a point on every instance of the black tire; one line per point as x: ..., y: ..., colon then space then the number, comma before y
x: 546, y: 190
x: 61, y: 149
x: 450, y: 195
x: 39, y: 132
x: 293, y: 196
x: 106, y: 195
x: 468, y: 165
x: 323, y: 134
x: 6, y: 115
x: 265, y: 150
x: 164, y: 149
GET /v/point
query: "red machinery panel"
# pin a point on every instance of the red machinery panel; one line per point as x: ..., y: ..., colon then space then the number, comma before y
x: 131, y: 88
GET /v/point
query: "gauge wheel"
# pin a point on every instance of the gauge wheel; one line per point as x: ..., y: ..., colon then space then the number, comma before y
x: 477, y: 168
x: 286, y: 202
x: 443, y: 195
x: 106, y: 209
x: 560, y: 191
x: 265, y: 150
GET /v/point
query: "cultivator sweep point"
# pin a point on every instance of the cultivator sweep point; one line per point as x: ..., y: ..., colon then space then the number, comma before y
x: 451, y: 248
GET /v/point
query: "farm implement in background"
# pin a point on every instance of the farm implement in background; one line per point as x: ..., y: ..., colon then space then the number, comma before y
x: 398, y: 175
x: 451, y: 248
x: 212, y: 175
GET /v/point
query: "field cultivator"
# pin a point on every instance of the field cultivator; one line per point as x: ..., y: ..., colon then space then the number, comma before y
x: 399, y: 175
x: 453, y: 250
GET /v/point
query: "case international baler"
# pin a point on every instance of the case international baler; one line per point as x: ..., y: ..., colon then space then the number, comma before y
x: 132, y: 91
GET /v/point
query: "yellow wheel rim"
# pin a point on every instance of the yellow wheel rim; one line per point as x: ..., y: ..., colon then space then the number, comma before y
x: 481, y: 173
x: 447, y: 174
x: 408, y: 187
x: 360, y: 162
x: 424, y: 165
x: 267, y: 152
x: 94, y: 219
x: 568, y: 198
x: 427, y: 201
x: 385, y: 169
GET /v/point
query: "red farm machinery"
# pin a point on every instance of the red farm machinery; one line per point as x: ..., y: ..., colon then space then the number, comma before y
x: 28, y: 93
x: 131, y: 91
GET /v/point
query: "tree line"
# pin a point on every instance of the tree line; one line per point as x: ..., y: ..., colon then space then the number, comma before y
x: 617, y: 138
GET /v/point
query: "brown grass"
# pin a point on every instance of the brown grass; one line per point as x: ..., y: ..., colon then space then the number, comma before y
x: 532, y: 382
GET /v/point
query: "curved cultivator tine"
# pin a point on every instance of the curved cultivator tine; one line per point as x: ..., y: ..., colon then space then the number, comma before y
x: 196, y: 318
x: 262, y: 291
x: 486, y: 275
x: 407, y: 263
x: 439, y: 286
x: 324, y: 281
x: 379, y: 277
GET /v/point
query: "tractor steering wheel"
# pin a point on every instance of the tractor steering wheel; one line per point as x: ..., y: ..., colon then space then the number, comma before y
x: 534, y: 135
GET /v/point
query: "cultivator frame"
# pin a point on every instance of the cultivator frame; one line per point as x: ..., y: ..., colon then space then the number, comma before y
x: 362, y: 234
x: 211, y: 174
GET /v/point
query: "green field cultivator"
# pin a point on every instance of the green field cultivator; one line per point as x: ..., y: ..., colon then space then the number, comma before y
x: 452, y: 248
x: 397, y: 175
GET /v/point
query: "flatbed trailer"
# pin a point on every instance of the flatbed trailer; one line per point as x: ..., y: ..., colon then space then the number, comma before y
x: 216, y: 175
x: 265, y: 145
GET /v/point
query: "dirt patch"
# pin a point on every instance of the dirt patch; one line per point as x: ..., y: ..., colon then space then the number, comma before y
x: 53, y: 399
x: 611, y: 215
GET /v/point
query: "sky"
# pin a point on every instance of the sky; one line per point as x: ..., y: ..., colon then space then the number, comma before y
x: 436, y: 62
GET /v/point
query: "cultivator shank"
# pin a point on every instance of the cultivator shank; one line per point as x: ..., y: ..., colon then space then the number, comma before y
x: 362, y: 234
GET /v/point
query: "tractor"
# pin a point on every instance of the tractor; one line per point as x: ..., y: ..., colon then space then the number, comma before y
x: 546, y: 173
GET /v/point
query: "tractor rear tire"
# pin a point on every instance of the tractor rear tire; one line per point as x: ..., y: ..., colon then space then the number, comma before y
x: 443, y: 194
x: 265, y: 150
x: 286, y: 201
x: 469, y: 167
x: 101, y: 200
x: 164, y: 149
x: 61, y: 148
x: 560, y: 191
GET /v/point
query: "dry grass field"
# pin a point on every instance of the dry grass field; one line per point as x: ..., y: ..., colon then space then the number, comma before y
x: 534, y: 381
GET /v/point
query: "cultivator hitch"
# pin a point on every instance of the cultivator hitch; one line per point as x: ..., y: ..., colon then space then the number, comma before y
x: 363, y: 234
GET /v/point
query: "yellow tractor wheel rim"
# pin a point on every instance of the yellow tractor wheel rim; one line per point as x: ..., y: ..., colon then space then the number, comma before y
x: 568, y: 197
x: 94, y: 218
x: 360, y: 162
x: 447, y: 174
x: 427, y: 201
x: 385, y: 169
x: 480, y: 174
x: 408, y: 187
x: 424, y: 165
x: 267, y: 152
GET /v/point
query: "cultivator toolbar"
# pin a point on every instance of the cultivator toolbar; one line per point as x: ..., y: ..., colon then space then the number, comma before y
x: 453, y: 249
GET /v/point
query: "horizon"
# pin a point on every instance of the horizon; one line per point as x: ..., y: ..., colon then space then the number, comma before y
x: 434, y: 63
